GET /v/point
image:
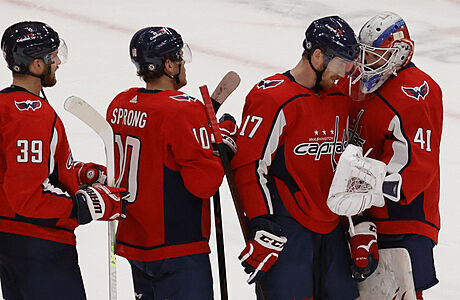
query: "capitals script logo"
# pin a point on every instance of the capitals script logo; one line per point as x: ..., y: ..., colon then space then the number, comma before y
x: 417, y: 92
x: 327, y: 145
x: 25, y: 105
x: 266, y: 84
x: 183, y: 98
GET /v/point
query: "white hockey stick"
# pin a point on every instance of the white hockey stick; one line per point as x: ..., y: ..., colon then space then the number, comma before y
x: 86, y: 113
x: 392, y: 279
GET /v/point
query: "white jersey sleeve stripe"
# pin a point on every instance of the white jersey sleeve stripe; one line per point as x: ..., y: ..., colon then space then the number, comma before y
x: 49, y: 188
x: 266, y: 160
x: 401, y: 147
x: 53, y: 145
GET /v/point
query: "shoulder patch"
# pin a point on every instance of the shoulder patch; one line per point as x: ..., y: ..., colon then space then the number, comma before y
x: 417, y: 92
x: 133, y: 100
x: 266, y: 84
x: 183, y: 97
x: 25, y: 105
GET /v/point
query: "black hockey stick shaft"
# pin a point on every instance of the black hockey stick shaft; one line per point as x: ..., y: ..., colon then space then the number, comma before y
x: 220, y: 246
x: 230, y: 180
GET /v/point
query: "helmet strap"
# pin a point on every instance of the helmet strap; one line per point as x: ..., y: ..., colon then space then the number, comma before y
x: 41, y: 76
x: 319, y: 75
x: 43, y: 94
x: 176, y: 77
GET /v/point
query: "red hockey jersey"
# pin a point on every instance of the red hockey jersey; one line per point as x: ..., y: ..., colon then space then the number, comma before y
x: 164, y: 155
x: 288, y: 147
x: 402, y: 123
x: 37, y: 177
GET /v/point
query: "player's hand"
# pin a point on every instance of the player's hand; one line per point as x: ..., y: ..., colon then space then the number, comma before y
x: 228, y: 129
x: 100, y: 202
x: 90, y: 173
x: 262, y: 250
x: 364, y: 250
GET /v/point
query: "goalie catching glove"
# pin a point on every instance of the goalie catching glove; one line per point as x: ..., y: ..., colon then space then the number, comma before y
x: 100, y: 202
x: 262, y: 249
x: 364, y: 250
x: 360, y: 182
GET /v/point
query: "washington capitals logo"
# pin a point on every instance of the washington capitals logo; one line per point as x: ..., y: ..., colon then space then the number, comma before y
x: 266, y: 84
x: 417, y: 92
x: 25, y: 105
x: 183, y: 98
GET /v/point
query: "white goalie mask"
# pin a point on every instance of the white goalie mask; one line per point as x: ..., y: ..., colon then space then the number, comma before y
x: 385, y: 48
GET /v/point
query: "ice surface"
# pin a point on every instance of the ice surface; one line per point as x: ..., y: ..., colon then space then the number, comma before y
x: 254, y: 38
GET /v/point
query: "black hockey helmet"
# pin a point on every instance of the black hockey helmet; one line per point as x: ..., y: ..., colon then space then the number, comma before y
x: 25, y: 41
x: 333, y: 36
x: 149, y: 45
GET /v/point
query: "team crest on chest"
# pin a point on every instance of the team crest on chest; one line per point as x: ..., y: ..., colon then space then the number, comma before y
x: 266, y: 84
x: 183, y: 98
x: 28, y: 104
x: 418, y: 92
x: 325, y: 142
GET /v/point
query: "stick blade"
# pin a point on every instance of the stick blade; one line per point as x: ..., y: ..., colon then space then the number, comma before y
x: 85, y: 112
x: 226, y: 86
x: 93, y: 119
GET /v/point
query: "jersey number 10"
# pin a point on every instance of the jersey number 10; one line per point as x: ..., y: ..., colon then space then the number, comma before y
x: 129, y: 154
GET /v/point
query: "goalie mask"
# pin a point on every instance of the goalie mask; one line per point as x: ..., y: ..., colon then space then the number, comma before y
x: 386, y: 47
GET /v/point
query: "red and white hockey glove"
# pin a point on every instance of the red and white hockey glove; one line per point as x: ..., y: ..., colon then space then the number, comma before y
x: 364, y: 250
x: 228, y: 129
x: 262, y: 251
x: 100, y: 202
x: 89, y: 173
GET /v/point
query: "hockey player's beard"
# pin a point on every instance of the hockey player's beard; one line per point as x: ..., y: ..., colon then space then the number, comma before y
x: 49, y: 80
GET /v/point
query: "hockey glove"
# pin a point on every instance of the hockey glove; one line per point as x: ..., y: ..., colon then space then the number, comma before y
x: 364, y: 250
x: 89, y: 173
x: 358, y: 183
x: 262, y: 250
x: 228, y: 129
x: 100, y: 202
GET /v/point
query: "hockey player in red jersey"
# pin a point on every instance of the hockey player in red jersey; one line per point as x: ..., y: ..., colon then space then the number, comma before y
x: 165, y: 159
x: 294, y: 128
x: 399, y: 115
x: 40, y: 200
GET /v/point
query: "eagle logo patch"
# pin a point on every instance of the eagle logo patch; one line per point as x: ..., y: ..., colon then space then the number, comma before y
x: 183, y: 98
x: 25, y: 105
x: 266, y: 84
x: 418, y: 92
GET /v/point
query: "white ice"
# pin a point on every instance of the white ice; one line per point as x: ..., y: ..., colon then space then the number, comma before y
x: 255, y: 38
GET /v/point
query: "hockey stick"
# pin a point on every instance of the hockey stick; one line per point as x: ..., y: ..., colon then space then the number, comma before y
x: 225, y: 87
x: 86, y: 113
x: 225, y: 161
x: 231, y: 183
